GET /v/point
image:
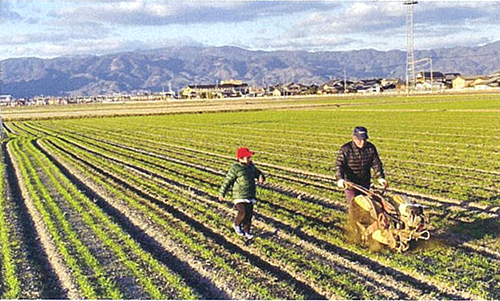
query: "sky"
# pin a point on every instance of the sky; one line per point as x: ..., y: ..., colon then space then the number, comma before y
x: 49, y: 29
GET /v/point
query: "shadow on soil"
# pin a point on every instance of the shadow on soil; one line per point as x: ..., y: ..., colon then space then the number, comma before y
x: 45, y: 275
x: 148, y: 243
x: 254, y: 259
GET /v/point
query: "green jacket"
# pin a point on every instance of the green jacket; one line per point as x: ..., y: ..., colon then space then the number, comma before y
x: 242, y: 178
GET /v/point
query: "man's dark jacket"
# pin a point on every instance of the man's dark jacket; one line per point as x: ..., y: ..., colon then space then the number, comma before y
x: 354, y: 164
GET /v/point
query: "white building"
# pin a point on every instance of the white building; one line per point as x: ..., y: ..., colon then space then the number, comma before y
x: 6, y: 100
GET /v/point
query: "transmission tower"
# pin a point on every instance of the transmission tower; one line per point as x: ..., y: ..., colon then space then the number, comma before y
x: 1, y: 120
x: 410, y: 56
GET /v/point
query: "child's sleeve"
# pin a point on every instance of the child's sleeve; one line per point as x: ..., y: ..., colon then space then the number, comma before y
x: 228, y: 181
x: 259, y: 173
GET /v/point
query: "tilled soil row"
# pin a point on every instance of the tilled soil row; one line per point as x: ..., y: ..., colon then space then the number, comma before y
x: 286, y: 156
x: 228, y: 213
x: 278, y: 188
x: 223, y: 108
x: 141, y: 228
x: 198, y: 194
x: 221, y: 284
x: 330, y: 203
x: 35, y: 283
x: 322, y: 181
x: 434, y: 164
x: 470, y: 205
x: 106, y: 258
x: 179, y: 127
x: 57, y: 263
x: 178, y: 162
x: 318, y: 179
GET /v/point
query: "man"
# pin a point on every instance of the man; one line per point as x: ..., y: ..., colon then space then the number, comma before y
x: 354, y: 163
x: 241, y: 176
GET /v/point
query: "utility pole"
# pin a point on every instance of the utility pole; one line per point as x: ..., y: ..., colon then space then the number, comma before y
x: 1, y: 120
x: 410, y: 56
x: 432, y: 76
x: 345, y: 81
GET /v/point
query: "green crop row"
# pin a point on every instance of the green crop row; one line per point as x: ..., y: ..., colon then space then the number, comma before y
x: 76, y: 254
x: 317, y: 230
x: 10, y: 282
x: 189, y: 238
x: 224, y: 223
x: 451, y: 179
x: 102, y: 226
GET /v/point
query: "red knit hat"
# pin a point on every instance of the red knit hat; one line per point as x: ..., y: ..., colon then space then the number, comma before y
x: 243, y: 152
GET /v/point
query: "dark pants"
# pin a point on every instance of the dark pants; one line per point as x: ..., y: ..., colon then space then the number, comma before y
x: 350, y: 194
x: 244, y: 216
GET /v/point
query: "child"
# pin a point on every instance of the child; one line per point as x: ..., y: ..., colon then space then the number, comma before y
x: 241, y: 176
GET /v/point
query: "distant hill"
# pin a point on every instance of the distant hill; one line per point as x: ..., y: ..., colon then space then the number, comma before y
x: 154, y: 70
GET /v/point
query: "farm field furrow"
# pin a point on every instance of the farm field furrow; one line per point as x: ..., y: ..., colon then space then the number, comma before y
x: 270, y: 197
x: 455, y: 189
x: 280, y: 170
x: 125, y: 249
x: 207, y: 253
x: 10, y: 285
x: 322, y: 146
x: 470, y: 206
x: 126, y: 206
x: 417, y: 159
x: 183, y: 207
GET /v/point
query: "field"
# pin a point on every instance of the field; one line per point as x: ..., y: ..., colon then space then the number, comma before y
x: 126, y: 207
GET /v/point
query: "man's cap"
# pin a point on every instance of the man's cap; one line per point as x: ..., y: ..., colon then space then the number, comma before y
x: 243, y: 152
x: 360, y: 132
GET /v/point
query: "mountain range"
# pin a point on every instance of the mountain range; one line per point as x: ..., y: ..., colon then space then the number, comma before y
x: 176, y: 67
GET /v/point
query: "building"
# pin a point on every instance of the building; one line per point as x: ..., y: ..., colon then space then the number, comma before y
x: 486, y: 83
x: 297, y: 89
x: 463, y: 82
x: 6, y: 100
x: 256, y: 92
x: 232, y: 88
x: 336, y: 86
x: 277, y: 91
x: 435, y: 76
x: 428, y: 86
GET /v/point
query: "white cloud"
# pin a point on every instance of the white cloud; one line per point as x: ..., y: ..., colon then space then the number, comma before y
x: 359, y: 17
x: 102, y: 26
x: 93, y: 47
x: 380, y: 24
x: 141, y: 12
x: 56, y: 36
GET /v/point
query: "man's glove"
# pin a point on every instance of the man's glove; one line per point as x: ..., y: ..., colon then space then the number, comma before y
x: 383, y: 182
x: 341, y: 184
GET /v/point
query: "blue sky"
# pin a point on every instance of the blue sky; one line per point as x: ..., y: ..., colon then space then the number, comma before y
x: 59, y: 28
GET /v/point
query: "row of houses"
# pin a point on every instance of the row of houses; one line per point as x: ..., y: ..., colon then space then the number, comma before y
x: 456, y: 81
x: 491, y: 81
x: 235, y: 88
x: 9, y: 100
x: 425, y: 81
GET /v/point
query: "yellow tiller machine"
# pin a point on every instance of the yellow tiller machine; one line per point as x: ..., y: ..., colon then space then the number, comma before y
x: 393, y: 221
